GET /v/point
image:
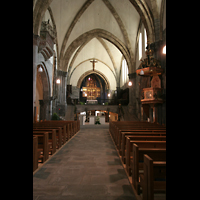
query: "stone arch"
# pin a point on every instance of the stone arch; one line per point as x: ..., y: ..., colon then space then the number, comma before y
x: 78, y: 15
x: 106, y: 49
x: 93, y: 72
x: 115, y: 15
x: 141, y: 6
x: 38, y: 13
x: 88, y: 36
x: 161, y: 18
x: 146, y: 17
x: 69, y: 77
x: 45, y: 102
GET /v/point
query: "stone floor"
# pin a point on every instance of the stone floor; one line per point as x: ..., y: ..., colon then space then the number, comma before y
x: 86, y: 168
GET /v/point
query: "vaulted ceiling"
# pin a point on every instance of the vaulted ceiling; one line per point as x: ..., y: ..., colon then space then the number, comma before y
x: 104, y: 30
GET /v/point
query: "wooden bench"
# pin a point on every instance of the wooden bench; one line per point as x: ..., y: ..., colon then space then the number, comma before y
x: 74, y: 125
x: 115, y: 127
x: 51, y: 140
x: 69, y: 128
x: 122, y: 141
x: 154, y: 178
x: 117, y: 136
x: 43, y: 145
x: 58, y: 130
x: 138, y: 160
x: 53, y: 126
x: 141, y: 144
x: 35, y: 153
x: 148, y: 136
x: 119, y: 129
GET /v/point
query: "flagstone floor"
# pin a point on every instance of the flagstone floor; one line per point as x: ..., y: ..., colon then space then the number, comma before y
x: 86, y: 168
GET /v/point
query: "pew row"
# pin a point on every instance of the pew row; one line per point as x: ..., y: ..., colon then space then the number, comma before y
x: 154, y: 178
x: 43, y: 146
x: 141, y: 144
x: 51, y: 139
x: 138, y: 162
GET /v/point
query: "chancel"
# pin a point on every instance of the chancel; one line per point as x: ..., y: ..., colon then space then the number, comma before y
x: 99, y: 66
x: 91, y: 91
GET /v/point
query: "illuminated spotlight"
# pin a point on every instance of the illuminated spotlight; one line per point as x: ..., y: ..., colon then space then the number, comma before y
x: 58, y: 81
x: 129, y: 83
x: 164, y: 50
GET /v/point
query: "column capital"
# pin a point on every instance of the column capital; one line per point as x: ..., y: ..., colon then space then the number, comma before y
x: 61, y: 73
x: 36, y: 40
x: 132, y: 75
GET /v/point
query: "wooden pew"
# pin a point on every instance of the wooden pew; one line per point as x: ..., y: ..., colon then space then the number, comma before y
x: 141, y: 144
x: 43, y: 145
x: 154, y: 178
x: 122, y: 142
x: 115, y: 127
x: 53, y: 126
x: 51, y: 140
x: 35, y: 153
x: 138, y: 160
x: 119, y: 129
x: 58, y: 133
x: 144, y: 137
x: 74, y: 126
x: 138, y: 129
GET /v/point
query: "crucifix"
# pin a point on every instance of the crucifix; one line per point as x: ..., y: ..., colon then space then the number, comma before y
x: 93, y: 63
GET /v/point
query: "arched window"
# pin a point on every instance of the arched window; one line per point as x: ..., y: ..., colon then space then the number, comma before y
x: 124, y: 73
x: 140, y: 46
x: 145, y: 38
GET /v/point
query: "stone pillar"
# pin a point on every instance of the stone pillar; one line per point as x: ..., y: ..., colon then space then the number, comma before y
x: 132, y: 94
x: 45, y: 109
x: 108, y: 109
x: 62, y: 87
x: 155, y: 115
x: 61, y: 92
x: 142, y: 117
x: 36, y: 40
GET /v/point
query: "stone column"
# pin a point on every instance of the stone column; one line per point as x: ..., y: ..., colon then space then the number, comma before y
x: 36, y: 40
x: 62, y: 87
x: 132, y: 94
x: 45, y: 109
x: 62, y: 92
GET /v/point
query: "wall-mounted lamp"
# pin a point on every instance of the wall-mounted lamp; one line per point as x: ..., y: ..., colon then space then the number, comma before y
x: 58, y: 81
x: 40, y: 69
x: 108, y: 94
x: 164, y: 50
x: 129, y: 83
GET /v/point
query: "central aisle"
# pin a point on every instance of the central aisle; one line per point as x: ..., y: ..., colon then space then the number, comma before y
x: 86, y: 168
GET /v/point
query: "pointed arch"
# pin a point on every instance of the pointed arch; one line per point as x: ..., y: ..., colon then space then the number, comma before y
x: 88, y: 36
x: 74, y: 21
x: 106, y: 49
x: 93, y: 72
x: 69, y: 77
x: 146, y: 17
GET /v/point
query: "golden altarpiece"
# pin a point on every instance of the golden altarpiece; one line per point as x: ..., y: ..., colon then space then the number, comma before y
x: 152, y: 96
x: 91, y: 91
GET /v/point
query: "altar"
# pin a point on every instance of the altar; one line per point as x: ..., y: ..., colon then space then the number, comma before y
x: 92, y: 119
x: 91, y: 91
x: 92, y: 101
x: 102, y: 119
